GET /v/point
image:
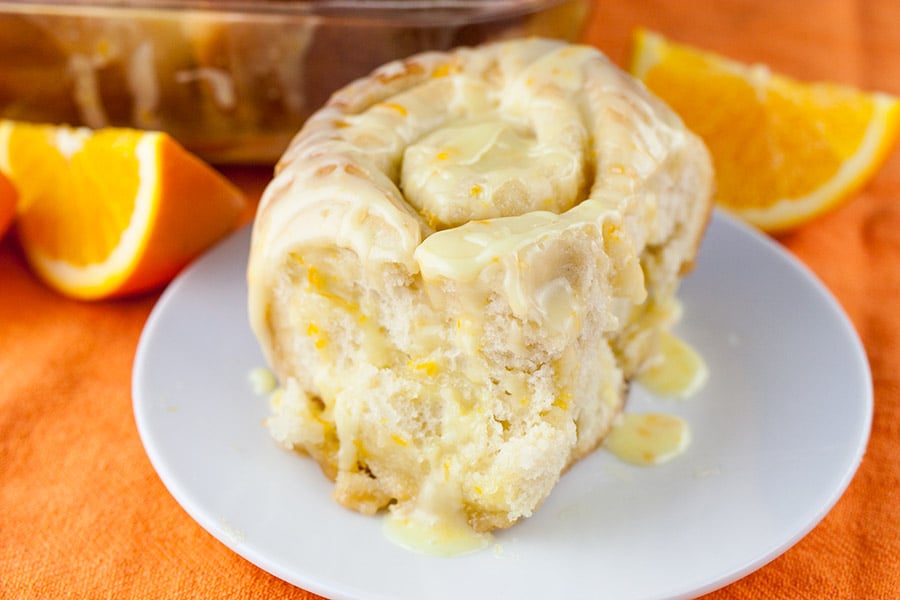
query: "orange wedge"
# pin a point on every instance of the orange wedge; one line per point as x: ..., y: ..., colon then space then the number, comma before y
x: 784, y: 151
x: 8, y: 197
x: 112, y: 212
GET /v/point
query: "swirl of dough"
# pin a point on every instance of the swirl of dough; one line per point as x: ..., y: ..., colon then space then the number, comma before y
x: 482, y: 238
x: 509, y: 137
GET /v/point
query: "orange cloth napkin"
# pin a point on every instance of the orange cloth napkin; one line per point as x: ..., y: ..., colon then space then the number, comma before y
x: 83, y: 514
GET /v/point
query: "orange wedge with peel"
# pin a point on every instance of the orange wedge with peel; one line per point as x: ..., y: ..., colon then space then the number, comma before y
x: 111, y: 212
x: 784, y: 151
x: 8, y: 198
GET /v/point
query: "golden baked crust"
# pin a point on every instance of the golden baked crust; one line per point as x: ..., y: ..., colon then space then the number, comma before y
x: 461, y: 261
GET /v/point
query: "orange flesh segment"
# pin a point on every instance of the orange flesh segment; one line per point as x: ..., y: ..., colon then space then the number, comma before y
x: 114, y: 211
x: 784, y: 151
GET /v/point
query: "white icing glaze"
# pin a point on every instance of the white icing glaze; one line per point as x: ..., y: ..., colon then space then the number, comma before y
x: 531, y: 115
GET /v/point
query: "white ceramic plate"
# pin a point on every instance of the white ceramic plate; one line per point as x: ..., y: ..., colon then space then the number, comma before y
x: 778, y: 433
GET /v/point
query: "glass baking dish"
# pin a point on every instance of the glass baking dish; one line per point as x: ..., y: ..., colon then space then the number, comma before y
x: 232, y: 80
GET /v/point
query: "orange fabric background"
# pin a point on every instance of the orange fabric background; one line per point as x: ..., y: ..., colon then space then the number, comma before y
x: 83, y: 514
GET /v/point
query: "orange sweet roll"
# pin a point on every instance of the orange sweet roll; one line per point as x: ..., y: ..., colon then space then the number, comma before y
x: 462, y: 260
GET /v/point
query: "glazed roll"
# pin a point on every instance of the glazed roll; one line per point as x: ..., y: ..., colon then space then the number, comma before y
x: 460, y: 263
